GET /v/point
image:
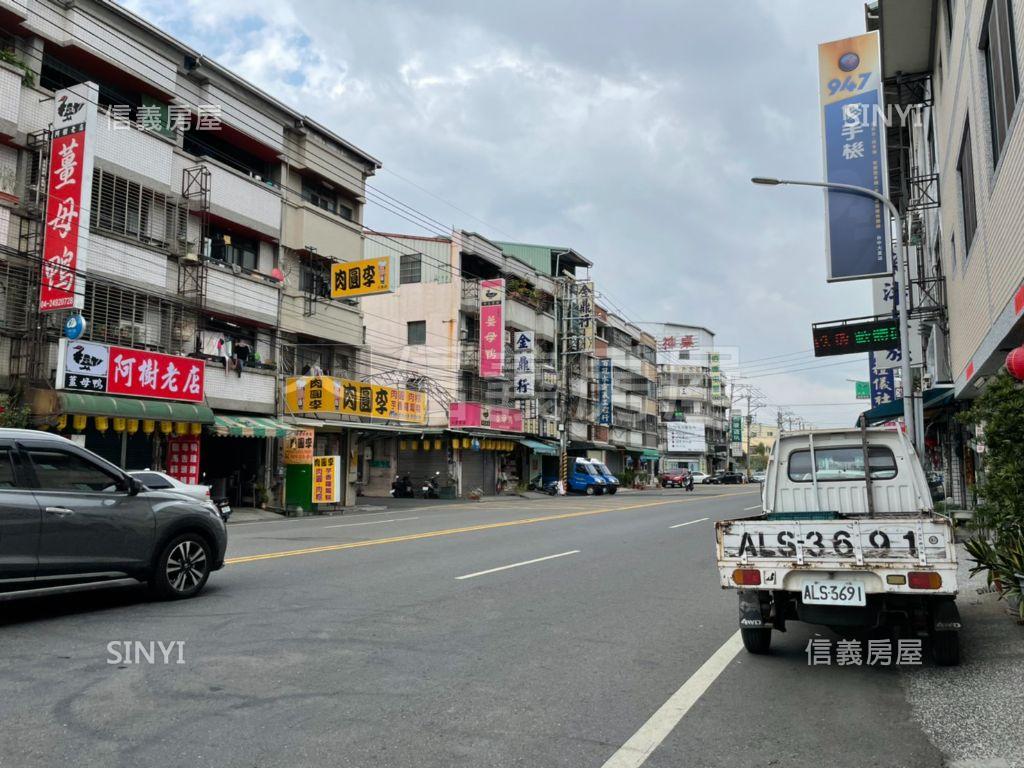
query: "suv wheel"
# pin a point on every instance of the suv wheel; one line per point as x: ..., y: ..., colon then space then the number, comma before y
x: 182, y: 568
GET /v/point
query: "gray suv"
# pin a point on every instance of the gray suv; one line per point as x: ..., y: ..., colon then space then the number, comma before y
x: 71, y: 520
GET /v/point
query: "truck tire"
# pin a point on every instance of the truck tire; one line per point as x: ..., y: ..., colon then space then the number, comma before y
x: 756, y: 640
x: 590, y: 490
x: 946, y: 648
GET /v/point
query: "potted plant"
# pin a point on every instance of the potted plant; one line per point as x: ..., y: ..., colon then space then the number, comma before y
x: 262, y: 497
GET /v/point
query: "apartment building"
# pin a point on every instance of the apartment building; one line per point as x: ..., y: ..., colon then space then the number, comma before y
x: 693, y: 399
x: 429, y: 328
x: 214, y: 214
x: 957, y: 171
x: 631, y: 372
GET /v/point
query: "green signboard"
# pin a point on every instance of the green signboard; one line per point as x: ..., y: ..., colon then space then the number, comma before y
x: 863, y: 390
x: 737, y: 429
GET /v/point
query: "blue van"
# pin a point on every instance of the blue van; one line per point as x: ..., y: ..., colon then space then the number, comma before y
x: 584, y: 478
x: 610, y: 480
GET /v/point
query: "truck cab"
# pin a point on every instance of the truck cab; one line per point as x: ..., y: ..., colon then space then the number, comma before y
x: 842, y: 547
x: 584, y: 478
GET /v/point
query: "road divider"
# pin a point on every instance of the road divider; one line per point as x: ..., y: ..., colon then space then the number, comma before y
x: 465, y: 529
x: 517, y: 565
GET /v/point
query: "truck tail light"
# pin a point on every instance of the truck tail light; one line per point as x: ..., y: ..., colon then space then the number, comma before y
x: 924, y: 580
x: 747, y: 577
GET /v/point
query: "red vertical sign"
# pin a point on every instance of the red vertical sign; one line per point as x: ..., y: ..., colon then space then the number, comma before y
x: 69, y: 182
x: 183, y: 459
x: 492, y: 328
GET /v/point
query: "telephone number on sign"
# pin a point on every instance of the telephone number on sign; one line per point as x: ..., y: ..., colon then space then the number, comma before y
x: 841, y: 543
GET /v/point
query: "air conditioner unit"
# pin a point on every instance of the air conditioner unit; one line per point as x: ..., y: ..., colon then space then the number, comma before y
x: 236, y: 269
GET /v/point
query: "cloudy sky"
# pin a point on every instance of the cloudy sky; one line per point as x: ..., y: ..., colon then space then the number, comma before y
x: 628, y: 131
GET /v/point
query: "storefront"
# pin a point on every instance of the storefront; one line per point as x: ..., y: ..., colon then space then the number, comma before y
x: 541, y: 461
x: 239, y: 458
x: 131, y: 432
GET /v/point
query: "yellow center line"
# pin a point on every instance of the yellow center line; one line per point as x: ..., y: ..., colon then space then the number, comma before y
x: 465, y: 529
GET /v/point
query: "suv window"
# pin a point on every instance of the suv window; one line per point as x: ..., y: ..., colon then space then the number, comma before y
x: 7, y: 479
x: 59, y: 470
x: 842, y: 464
x: 152, y: 480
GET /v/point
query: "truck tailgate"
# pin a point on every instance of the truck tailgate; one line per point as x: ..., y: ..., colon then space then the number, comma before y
x: 878, y: 545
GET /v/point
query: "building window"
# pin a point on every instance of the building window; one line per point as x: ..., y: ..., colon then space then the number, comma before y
x: 416, y: 332
x: 968, y: 200
x: 127, y: 209
x: 323, y: 196
x: 314, y: 278
x: 999, y: 45
x: 411, y: 269
x: 235, y: 249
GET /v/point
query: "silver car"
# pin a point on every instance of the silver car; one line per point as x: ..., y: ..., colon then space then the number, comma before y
x: 71, y: 520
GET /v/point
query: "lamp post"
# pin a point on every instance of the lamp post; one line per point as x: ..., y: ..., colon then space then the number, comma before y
x: 909, y: 416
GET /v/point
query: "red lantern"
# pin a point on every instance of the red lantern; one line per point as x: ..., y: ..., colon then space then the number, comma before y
x: 1015, y: 363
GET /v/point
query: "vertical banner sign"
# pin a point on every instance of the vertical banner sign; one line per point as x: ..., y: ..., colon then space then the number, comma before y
x: 883, y: 380
x: 69, y: 188
x: 524, y: 373
x: 326, y: 479
x: 853, y: 138
x: 886, y: 298
x: 183, y: 459
x: 715, y: 363
x: 736, y: 429
x: 604, y: 391
x: 492, y: 328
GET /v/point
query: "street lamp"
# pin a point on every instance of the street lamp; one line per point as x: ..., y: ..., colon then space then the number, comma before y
x: 901, y: 303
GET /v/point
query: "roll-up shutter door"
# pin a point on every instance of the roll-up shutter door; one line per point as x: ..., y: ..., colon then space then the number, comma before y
x: 419, y: 465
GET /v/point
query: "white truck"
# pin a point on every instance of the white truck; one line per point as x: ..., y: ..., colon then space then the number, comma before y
x: 837, y: 546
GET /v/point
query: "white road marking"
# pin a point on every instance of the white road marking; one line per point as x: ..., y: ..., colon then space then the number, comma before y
x: 680, y: 525
x: 373, y: 522
x: 756, y: 506
x: 516, y: 565
x: 641, y: 744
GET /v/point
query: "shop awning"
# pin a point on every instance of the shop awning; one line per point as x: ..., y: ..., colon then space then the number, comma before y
x: 84, y: 404
x: 248, y: 426
x: 540, y: 448
x: 650, y: 453
x: 933, y: 398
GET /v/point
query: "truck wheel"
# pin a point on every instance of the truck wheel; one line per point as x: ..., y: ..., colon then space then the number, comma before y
x: 946, y: 648
x: 590, y: 490
x: 756, y: 640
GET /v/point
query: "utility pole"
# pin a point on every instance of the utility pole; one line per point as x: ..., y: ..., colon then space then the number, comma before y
x: 562, y: 360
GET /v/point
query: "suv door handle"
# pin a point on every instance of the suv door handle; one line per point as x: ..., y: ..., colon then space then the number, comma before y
x: 60, y: 511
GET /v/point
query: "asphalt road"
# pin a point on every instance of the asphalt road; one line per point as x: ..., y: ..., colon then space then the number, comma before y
x: 402, y: 639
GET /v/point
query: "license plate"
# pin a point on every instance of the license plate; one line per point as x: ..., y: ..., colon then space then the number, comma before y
x: 833, y: 593
x: 225, y: 509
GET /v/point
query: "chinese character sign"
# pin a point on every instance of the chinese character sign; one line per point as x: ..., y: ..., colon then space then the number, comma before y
x: 524, y: 373
x: 883, y: 381
x: 298, y: 447
x: 183, y: 459
x: 326, y: 479
x: 86, y: 366
x: 360, y: 278
x: 478, y: 415
x: 581, y: 321
x: 854, y: 148
x: 604, y: 391
x: 736, y: 429
x: 69, y: 183
x: 330, y: 394
x: 492, y: 328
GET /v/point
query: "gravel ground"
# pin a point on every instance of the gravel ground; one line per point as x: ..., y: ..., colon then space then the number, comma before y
x: 975, y: 712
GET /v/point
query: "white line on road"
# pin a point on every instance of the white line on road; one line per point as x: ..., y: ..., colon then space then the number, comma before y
x: 373, y: 522
x: 680, y: 525
x: 756, y: 506
x: 641, y: 744
x: 516, y: 565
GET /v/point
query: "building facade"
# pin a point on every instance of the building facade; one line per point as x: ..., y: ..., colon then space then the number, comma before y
x: 214, y: 214
x: 957, y: 172
x: 693, y: 399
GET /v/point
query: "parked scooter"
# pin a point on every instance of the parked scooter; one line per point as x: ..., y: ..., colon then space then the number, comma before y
x: 431, y: 487
x: 689, y: 482
x: 401, y: 487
